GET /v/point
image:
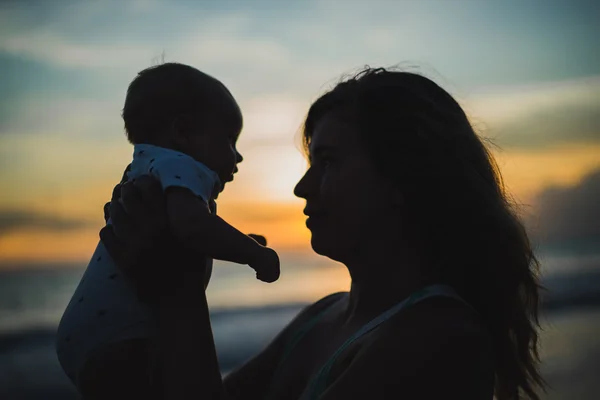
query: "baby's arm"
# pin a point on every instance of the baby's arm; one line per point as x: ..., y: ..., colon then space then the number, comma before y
x: 193, y: 223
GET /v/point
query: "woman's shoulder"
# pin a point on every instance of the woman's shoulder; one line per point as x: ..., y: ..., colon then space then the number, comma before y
x: 440, y: 331
x: 310, y: 315
x: 323, y: 303
x: 438, y: 319
x: 438, y: 348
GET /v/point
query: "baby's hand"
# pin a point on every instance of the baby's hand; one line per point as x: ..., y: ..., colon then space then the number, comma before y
x: 266, y: 265
x: 259, y: 238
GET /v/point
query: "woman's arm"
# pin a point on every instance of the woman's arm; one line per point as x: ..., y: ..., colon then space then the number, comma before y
x: 170, y: 280
x: 186, y: 348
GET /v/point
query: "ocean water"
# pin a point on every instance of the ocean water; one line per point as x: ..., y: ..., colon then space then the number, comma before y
x: 32, y: 302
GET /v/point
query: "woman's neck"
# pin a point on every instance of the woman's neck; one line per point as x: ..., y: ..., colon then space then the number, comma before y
x: 380, y: 282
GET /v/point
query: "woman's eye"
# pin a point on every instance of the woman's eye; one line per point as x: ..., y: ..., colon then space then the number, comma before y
x: 325, y: 161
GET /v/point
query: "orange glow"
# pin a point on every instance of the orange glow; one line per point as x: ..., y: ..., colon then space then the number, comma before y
x: 526, y: 173
x: 46, y: 246
x: 281, y: 223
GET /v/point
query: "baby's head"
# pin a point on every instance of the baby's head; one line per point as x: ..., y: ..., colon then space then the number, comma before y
x: 176, y: 106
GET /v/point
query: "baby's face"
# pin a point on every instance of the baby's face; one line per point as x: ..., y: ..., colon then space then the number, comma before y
x: 215, y: 143
x: 217, y: 150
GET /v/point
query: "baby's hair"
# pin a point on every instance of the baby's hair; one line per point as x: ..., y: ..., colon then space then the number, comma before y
x: 161, y: 93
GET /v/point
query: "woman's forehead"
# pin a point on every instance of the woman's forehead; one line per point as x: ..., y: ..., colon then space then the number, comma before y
x: 333, y: 131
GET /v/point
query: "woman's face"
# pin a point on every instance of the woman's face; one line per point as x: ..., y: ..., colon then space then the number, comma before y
x: 347, y: 200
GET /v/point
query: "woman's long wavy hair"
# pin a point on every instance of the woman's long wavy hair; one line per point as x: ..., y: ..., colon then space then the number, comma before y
x: 419, y: 137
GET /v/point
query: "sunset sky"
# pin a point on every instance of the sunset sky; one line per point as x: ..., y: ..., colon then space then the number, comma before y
x: 527, y: 73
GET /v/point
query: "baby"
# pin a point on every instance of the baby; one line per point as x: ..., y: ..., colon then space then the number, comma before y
x: 184, y: 126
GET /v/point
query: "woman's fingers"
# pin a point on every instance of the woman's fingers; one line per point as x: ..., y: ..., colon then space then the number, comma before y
x: 122, y: 214
x: 116, y: 194
x: 151, y: 192
x: 106, y: 210
x: 123, y: 225
x: 131, y: 199
x: 143, y: 199
x: 125, y: 173
x: 113, y: 245
x: 140, y: 213
x: 154, y: 220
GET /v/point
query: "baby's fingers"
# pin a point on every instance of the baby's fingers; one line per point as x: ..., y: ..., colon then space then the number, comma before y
x: 259, y: 238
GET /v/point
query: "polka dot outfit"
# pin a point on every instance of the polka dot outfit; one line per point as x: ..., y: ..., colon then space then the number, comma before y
x: 104, y: 309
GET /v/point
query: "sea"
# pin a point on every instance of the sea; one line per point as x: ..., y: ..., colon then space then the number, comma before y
x: 247, y: 314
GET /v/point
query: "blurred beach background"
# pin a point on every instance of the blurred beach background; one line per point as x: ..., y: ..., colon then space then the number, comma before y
x: 527, y: 73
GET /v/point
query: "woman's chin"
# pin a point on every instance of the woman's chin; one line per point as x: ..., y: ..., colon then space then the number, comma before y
x: 316, y: 245
x: 322, y: 247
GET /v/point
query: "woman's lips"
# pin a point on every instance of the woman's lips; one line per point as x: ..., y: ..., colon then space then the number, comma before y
x: 313, y: 216
x: 312, y: 220
x: 309, y: 222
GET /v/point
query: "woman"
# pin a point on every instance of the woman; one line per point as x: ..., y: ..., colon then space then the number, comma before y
x: 444, y: 296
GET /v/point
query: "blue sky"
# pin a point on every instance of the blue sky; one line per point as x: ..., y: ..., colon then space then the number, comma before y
x: 471, y: 43
x: 527, y: 72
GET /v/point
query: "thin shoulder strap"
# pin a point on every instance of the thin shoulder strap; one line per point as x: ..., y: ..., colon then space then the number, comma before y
x: 318, y: 384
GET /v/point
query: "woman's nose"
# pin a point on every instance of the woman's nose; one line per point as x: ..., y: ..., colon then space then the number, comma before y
x: 303, y: 187
x: 238, y: 157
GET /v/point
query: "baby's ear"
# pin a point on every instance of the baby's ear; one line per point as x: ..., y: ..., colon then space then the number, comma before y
x: 181, y: 128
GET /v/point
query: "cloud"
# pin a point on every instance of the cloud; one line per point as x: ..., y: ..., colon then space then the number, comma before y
x: 14, y: 219
x: 43, y: 46
x: 273, y: 119
x: 78, y: 116
x: 570, y: 213
x: 558, y: 127
x: 271, y: 48
x: 564, y: 125
x: 292, y: 39
x: 541, y: 116
x: 133, y: 37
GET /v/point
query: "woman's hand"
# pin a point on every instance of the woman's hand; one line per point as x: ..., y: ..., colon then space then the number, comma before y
x: 139, y: 241
x: 138, y: 218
